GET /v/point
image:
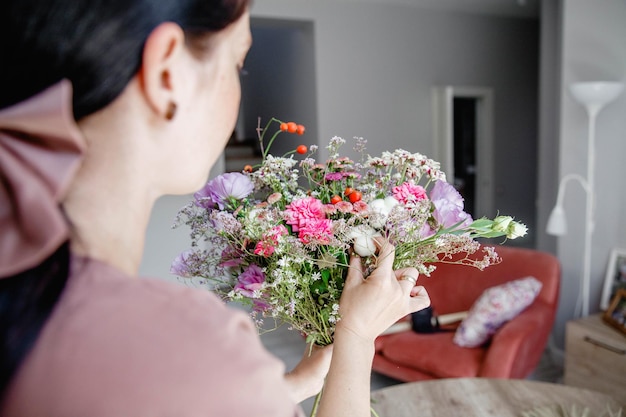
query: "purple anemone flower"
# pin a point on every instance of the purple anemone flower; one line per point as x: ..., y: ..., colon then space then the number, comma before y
x: 231, y: 185
x: 250, y: 280
x: 448, y: 206
x: 180, y: 266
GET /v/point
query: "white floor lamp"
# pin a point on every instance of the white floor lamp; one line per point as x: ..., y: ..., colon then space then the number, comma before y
x: 594, y: 96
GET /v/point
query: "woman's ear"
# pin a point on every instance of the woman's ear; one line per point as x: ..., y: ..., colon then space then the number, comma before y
x: 161, y: 58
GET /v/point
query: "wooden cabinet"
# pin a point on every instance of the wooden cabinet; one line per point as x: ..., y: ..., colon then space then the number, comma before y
x: 595, y: 357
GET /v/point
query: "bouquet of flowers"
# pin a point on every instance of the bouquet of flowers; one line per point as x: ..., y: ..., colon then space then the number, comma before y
x: 279, y: 236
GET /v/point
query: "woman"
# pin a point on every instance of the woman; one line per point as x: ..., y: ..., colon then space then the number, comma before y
x: 104, y: 107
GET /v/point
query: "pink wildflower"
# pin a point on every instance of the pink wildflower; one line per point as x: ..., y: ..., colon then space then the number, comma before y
x: 344, y: 206
x: 360, y: 207
x: 274, y: 198
x: 266, y: 246
x: 333, y: 176
x: 329, y: 209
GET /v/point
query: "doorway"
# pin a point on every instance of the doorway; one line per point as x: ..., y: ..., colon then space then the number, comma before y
x: 464, y: 149
x: 463, y: 134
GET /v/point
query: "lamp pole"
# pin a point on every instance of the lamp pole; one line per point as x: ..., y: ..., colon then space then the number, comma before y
x: 592, y: 112
x: 594, y: 96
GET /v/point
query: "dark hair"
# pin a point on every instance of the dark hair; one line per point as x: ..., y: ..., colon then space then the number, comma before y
x: 26, y: 300
x: 97, y: 45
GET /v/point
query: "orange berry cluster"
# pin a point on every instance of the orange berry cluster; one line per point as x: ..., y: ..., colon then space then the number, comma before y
x: 292, y: 127
x: 352, y: 194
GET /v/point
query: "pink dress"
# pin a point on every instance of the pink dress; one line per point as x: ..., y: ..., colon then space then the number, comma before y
x: 122, y: 346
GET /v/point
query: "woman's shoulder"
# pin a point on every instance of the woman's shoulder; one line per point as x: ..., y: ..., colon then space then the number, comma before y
x: 127, y: 346
x: 113, y: 297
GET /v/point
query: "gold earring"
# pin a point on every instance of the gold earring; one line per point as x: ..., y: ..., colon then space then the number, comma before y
x: 171, y: 111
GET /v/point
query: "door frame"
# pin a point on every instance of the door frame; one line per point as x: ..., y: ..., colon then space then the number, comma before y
x: 443, y: 131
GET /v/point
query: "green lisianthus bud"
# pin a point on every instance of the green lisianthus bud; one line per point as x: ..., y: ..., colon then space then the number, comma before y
x: 516, y: 230
x: 502, y: 223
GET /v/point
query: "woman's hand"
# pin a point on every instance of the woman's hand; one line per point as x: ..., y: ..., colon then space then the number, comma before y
x: 307, y: 378
x: 369, y: 306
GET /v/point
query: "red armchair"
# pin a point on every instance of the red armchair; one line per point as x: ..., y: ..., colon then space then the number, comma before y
x: 513, y: 352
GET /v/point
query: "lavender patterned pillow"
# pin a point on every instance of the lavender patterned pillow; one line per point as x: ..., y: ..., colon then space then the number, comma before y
x: 494, y: 307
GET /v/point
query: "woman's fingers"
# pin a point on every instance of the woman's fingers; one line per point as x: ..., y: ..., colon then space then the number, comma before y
x: 386, y: 254
x: 355, y: 271
x: 407, y: 277
x: 419, y: 298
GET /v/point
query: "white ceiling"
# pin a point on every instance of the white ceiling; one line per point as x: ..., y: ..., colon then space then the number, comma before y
x: 513, y: 8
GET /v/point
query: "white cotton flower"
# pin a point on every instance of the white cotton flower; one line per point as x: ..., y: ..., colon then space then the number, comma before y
x: 363, y: 240
x: 382, y: 207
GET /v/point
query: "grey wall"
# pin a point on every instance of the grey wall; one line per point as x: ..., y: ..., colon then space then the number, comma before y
x: 549, y: 118
x: 594, y: 49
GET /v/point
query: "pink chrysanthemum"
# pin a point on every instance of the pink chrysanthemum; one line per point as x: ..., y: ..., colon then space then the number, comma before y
x: 316, y: 231
x: 302, y: 210
x: 409, y: 193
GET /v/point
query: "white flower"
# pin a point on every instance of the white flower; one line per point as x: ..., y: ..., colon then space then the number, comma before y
x: 516, y: 230
x: 363, y: 238
x: 382, y: 207
x: 501, y: 223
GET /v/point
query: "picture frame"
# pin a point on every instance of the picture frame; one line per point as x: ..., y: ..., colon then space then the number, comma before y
x: 615, y: 278
x: 615, y: 315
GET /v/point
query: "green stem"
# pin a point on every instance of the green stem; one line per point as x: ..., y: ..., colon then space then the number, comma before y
x: 262, y: 136
x: 316, y: 404
x: 269, y: 144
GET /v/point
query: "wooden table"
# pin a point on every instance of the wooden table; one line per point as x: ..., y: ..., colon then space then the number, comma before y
x: 481, y: 397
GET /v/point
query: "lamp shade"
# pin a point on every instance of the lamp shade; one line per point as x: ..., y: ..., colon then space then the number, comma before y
x: 596, y: 93
x: 557, y: 224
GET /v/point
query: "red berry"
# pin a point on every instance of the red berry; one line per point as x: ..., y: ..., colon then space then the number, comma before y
x: 300, y: 129
x: 355, y: 196
x: 292, y: 127
x: 302, y: 149
x: 336, y: 199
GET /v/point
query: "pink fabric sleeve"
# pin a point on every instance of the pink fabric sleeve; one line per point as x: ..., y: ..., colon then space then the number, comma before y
x: 118, y: 346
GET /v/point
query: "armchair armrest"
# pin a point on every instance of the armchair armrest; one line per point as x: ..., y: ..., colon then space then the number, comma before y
x: 517, y: 347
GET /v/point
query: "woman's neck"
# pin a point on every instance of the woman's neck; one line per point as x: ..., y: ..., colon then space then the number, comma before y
x: 107, y: 226
x: 110, y: 200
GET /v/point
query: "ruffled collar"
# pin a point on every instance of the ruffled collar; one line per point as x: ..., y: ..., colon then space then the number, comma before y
x: 40, y: 151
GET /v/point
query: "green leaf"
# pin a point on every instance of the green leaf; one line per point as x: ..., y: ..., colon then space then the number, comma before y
x: 325, y: 275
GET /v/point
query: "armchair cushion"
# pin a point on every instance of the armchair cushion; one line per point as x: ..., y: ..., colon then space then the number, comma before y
x: 493, y: 308
x: 424, y: 352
